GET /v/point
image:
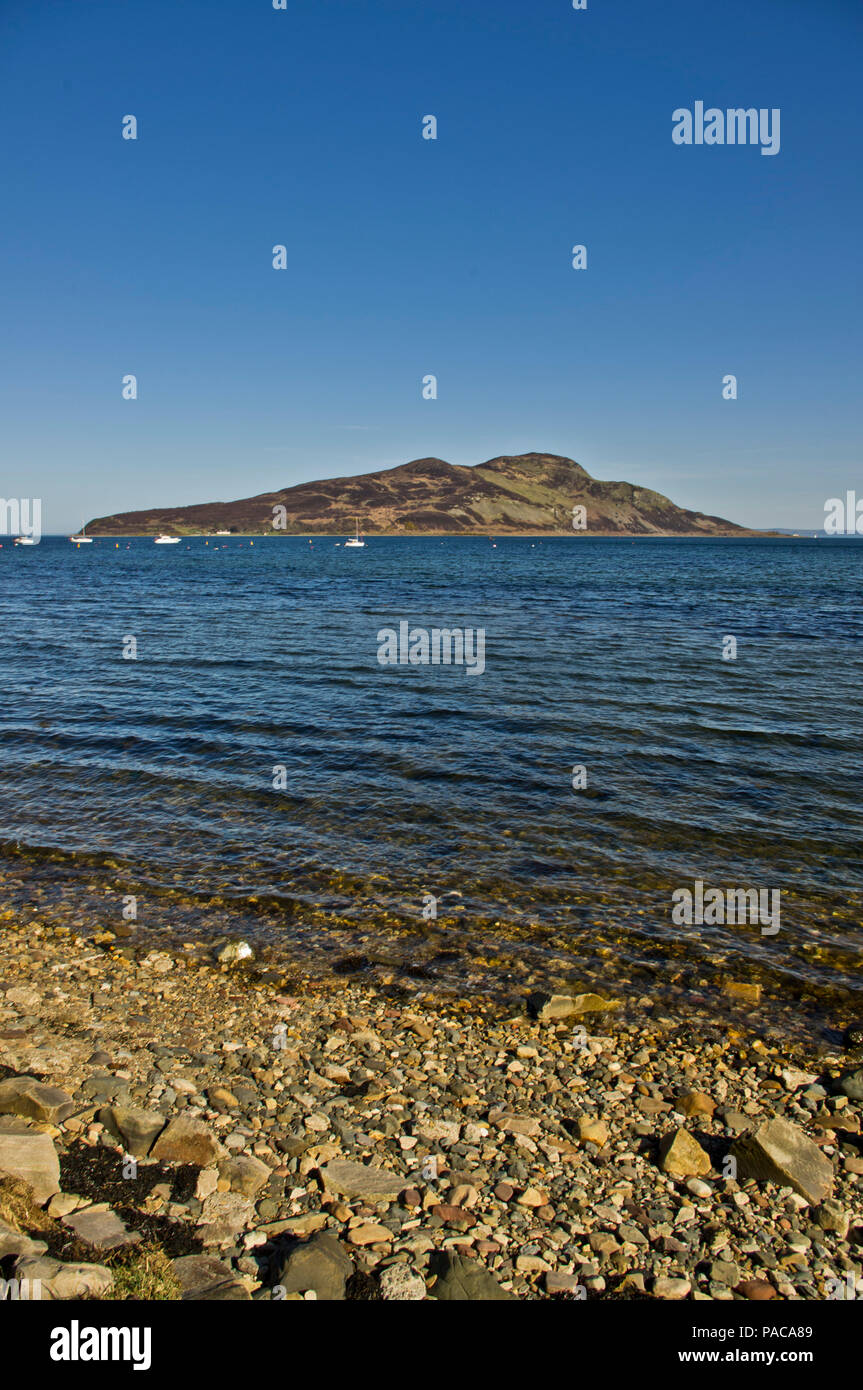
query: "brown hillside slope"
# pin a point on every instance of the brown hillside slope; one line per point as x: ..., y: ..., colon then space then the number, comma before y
x: 516, y: 494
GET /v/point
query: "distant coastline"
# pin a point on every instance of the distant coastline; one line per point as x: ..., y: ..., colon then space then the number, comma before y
x: 741, y: 534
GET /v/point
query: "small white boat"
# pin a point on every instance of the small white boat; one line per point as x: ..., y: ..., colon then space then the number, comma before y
x: 82, y: 538
x: 354, y: 541
x: 26, y: 540
x: 167, y: 540
x: 221, y: 533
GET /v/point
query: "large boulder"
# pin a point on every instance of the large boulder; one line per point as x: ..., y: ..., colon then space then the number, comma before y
x: 780, y: 1152
x: 24, y: 1095
x: 245, y: 1174
x: 462, y: 1280
x: 321, y: 1265
x: 548, y: 1008
x: 187, y: 1141
x: 137, y: 1130
x: 60, y: 1281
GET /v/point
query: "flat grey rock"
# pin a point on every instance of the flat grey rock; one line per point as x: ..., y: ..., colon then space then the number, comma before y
x: 461, y: 1280
x: 100, y: 1227
x: 24, y: 1095
x: 321, y: 1264
x: 101, y: 1089
x: 31, y: 1156
x: 349, y: 1179
x: 203, y: 1278
x: 780, y: 1152
x: 62, y: 1281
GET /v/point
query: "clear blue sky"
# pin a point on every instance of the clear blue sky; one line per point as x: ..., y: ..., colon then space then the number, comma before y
x: 408, y: 257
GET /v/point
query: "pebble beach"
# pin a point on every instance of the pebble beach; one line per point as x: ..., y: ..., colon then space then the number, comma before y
x: 175, y: 1124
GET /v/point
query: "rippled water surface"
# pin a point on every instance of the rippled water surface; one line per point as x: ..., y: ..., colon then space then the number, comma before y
x: 155, y: 776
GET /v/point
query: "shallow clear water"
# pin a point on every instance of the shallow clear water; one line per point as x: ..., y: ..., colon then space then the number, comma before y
x: 155, y: 776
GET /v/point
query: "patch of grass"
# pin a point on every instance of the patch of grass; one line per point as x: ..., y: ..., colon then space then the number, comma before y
x: 143, y: 1273
x: 18, y: 1209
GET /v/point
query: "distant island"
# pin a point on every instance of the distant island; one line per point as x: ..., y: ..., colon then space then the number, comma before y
x: 521, y: 494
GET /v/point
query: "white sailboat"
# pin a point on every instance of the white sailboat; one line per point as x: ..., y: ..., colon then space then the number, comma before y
x: 355, y: 541
x: 82, y: 538
x: 167, y: 540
